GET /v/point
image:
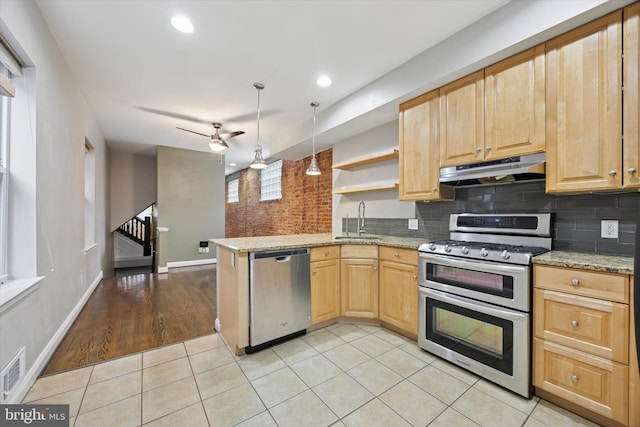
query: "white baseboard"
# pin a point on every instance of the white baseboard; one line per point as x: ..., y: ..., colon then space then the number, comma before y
x: 163, y: 269
x: 175, y: 264
x: 42, y: 360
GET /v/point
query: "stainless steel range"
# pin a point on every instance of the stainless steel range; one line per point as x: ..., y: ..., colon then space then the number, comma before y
x: 475, y: 294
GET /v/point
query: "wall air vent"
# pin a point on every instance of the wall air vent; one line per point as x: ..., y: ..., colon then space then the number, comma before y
x: 11, y: 375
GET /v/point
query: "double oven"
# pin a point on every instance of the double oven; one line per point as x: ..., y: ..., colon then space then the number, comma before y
x: 475, y: 295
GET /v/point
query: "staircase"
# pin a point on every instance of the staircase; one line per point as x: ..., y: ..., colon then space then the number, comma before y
x: 139, y: 231
x: 133, y: 244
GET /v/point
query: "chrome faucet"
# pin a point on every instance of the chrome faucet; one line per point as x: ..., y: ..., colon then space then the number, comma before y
x: 360, y: 225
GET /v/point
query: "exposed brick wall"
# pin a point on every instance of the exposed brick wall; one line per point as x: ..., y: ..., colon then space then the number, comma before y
x: 305, y: 206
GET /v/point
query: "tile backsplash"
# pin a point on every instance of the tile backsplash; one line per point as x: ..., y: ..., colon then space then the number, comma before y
x: 575, y: 219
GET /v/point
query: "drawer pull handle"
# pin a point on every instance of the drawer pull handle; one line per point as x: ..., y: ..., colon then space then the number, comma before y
x: 612, y: 173
x: 396, y: 254
x: 314, y: 272
x: 414, y: 277
x: 631, y: 171
x: 575, y: 282
x: 575, y: 323
x: 575, y: 378
x: 326, y: 253
x: 478, y: 150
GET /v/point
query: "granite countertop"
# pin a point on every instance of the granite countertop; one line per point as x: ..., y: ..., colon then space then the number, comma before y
x: 269, y: 243
x: 587, y: 261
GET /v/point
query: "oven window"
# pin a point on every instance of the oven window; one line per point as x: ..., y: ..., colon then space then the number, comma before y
x: 481, y: 337
x: 489, y: 283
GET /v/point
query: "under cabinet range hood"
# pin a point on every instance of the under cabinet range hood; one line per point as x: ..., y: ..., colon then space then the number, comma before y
x: 511, y: 169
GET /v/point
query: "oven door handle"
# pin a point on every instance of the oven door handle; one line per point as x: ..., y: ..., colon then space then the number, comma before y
x: 477, y: 265
x: 478, y: 306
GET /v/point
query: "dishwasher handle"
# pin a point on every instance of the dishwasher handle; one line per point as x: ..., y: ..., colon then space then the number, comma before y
x: 279, y: 255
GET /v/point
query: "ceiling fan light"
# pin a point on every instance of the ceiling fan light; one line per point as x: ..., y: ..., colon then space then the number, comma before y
x: 258, y: 162
x: 313, y: 167
x: 218, y: 145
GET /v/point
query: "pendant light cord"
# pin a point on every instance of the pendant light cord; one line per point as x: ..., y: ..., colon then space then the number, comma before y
x: 313, y: 141
x: 258, y: 140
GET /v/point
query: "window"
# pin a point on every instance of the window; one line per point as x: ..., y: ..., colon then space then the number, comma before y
x: 5, y: 103
x: 232, y: 191
x: 89, y: 196
x: 270, y: 182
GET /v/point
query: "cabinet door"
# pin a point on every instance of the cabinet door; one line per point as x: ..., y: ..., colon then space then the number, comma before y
x: 419, y: 157
x: 597, y: 384
x: 584, y: 103
x: 359, y: 288
x: 399, y: 295
x: 325, y: 290
x: 631, y: 84
x: 515, y: 105
x: 587, y: 324
x: 462, y: 121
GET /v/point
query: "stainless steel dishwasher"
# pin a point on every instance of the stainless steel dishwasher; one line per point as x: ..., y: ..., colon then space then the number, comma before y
x: 279, y: 296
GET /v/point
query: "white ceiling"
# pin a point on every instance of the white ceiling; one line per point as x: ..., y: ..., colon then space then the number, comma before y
x: 142, y: 78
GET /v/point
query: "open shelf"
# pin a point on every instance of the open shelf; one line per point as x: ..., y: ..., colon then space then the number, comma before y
x: 381, y: 157
x: 364, y: 189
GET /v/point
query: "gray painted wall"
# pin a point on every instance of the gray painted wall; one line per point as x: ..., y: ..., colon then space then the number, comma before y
x: 133, y: 180
x: 63, y: 121
x: 191, y: 199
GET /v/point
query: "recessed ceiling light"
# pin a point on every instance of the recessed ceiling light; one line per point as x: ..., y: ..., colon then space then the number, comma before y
x: 182, y: 24
x: 232, y: 164
x: 323, y: 81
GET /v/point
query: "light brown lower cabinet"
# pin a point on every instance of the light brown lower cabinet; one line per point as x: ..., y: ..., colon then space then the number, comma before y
x: 325, y: 284
x: 359, y: 281
x: 596, y: 384
x: 583, y: 353
x: 399, y: 288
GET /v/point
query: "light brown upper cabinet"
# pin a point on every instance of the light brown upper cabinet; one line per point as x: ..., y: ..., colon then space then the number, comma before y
x: 419, y: 155
x: 584, y: 107
x: 462, y: 121
x: 515, y: 105
x: 631, y: 83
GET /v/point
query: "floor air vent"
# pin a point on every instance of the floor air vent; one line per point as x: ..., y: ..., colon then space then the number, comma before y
x: 11, y: 376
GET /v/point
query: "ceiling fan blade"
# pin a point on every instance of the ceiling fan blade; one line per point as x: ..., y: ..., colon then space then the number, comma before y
x: 251, y: 116
x: 173, y: 115
x: 197, y: 133
x: 229, y: 135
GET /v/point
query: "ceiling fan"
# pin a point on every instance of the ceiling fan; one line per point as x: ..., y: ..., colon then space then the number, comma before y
x: 217, y: 144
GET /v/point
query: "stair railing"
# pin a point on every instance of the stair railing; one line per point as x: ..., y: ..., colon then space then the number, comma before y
x: 139, y: 231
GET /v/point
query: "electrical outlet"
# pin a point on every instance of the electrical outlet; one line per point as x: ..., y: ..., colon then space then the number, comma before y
x: 609, y: 229
x: 413, y: 224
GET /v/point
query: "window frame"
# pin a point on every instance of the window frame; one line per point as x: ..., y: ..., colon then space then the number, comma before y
x: 5, y: 122
x: 235, y: 192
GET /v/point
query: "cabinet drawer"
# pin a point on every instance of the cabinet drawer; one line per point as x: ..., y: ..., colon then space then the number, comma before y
x: 359, y: 251
x: 586, y: 324
x: 325, y: 252
x: 406, y: 256
x: 594, y: 383
x: 608, y: 286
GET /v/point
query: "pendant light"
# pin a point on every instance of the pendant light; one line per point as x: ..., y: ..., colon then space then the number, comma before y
x: 313, y: 167
x: 258, y: 162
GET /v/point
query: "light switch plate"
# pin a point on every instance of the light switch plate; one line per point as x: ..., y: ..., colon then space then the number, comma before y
x: 413, y: 224
x: 609, y: 229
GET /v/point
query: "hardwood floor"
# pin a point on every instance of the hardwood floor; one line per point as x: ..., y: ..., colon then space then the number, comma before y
x: 128, y: 314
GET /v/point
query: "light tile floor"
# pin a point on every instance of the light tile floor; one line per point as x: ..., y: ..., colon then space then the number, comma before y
x: 343, y: 375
